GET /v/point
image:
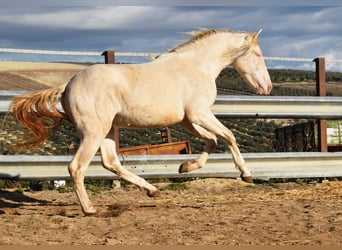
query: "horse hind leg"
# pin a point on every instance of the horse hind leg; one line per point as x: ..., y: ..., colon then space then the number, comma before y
x: 211, y: 142
x: 77, y: 168
x: 210, y: 122
x: 111, y: 162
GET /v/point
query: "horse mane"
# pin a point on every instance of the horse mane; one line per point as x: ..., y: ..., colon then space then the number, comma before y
x: 198, y: 35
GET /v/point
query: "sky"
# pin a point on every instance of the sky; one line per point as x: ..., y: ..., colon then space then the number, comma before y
x: 299, y: 29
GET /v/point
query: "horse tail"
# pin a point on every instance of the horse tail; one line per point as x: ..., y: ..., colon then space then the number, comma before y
x: 37, y: 112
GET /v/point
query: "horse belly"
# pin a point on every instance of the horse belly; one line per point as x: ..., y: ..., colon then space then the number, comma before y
x: 148, y: 118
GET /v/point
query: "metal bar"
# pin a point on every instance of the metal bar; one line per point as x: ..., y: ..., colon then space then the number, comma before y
x: 255, y: 106
x: 6, y: 97
x: 50, y: 52
x: 278, y: 107
x: 74, y: 53
x: 140, y: 54
x: 262, y: 166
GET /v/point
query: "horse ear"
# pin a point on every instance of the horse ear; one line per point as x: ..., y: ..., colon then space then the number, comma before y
x: 256, y: 35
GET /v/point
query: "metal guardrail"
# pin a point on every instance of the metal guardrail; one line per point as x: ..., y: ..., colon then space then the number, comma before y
x: 254, y: 106
x: 278, y: 107
x: 262, y: 166
x: 6, y: 97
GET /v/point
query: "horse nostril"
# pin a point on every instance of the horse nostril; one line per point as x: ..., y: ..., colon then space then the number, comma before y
x: 266, y: 89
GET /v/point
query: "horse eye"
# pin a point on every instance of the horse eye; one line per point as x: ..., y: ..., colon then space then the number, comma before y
x: 258, y: 54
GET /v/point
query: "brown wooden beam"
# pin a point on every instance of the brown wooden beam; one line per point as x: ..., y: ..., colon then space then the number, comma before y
x: 109, y: 56
x: 110, y: 59
x: 321, y: 91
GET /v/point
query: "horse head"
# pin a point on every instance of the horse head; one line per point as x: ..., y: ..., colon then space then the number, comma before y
x: 251, y: 66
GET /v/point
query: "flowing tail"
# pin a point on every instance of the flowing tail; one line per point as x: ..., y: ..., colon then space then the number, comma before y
x: 37, y: 112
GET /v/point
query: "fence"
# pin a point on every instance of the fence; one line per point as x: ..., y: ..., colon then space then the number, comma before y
x: 271, y: 165
x: 262, y: 166
x: 310, y: 107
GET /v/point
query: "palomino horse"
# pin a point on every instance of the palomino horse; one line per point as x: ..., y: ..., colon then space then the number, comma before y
x: 178, y: 87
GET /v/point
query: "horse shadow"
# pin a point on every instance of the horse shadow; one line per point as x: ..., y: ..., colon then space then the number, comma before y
x: 15, y: 198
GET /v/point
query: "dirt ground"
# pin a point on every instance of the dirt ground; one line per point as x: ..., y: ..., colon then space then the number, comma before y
x: 208, y: 211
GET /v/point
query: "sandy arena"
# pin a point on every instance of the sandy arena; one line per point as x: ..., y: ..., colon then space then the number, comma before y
x: 210, y: 211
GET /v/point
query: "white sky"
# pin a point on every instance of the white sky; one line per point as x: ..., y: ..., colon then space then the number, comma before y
x: 302, y: 29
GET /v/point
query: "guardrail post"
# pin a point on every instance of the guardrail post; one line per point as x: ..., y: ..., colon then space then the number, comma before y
x: 321, y: 91
x: 110, y: 59
x: 109, y: 56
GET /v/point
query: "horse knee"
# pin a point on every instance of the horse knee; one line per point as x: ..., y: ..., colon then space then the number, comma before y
x: 229, y: 137
x: 72, y: 168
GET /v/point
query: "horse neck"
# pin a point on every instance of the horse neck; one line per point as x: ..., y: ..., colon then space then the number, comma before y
x: 209, y: 56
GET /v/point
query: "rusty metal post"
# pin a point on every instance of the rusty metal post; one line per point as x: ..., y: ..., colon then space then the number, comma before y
x: 109, y: 56
x: 320, y: 77
x: 110, y: 59
x: 321, y: 91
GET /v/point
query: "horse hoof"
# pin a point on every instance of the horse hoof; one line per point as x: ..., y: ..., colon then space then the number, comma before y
x: 90, y: 212
x: 185, y: 167
x: 247, y: 179
x: 155, y: 193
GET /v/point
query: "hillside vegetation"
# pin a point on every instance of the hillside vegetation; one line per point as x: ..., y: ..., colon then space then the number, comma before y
x: 253, y: 135
x: 286, y: 82
x: 44, y: 74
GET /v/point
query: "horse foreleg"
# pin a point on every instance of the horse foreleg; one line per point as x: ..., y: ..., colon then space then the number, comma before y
x: 213, y: 125
x: 77, y: 169
x: 238, y: 159
x: 111, y: 162
x: 211, y: 142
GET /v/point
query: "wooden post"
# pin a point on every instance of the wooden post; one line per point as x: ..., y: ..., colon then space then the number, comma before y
x: 321, y: 91
x: 166, y: 135
x: 109, y: 56
x: 110, y: 59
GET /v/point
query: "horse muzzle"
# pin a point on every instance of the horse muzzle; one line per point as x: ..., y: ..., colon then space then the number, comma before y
x: 265, y: 89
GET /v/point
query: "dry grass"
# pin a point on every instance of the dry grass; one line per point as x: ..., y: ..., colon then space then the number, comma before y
x: 37, y: 66
x: 50, y: 74
x: 333, y: 87
x: 260, y: 192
